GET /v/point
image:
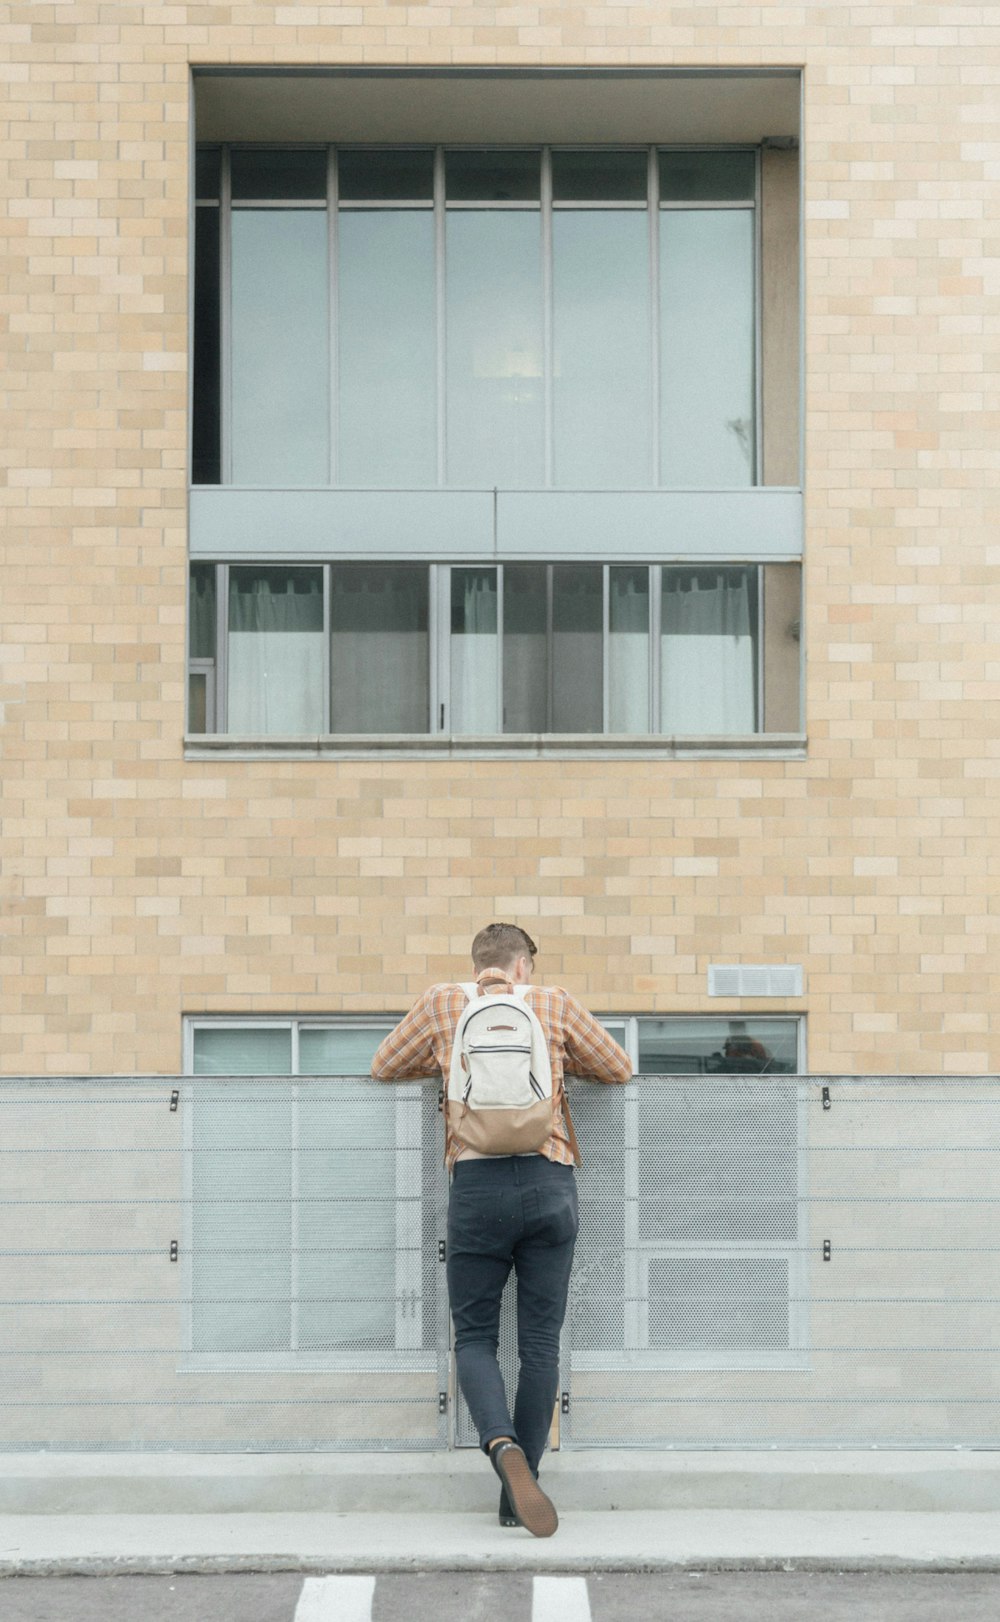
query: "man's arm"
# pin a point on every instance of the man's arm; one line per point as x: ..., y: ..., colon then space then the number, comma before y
x: 590, y: 1051
x: 407, y: 1053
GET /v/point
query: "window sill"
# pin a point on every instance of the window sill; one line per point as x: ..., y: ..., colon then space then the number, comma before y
x: 526, y: 746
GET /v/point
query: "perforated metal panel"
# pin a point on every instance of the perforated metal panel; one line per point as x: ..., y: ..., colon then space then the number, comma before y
x: 759, y: 1265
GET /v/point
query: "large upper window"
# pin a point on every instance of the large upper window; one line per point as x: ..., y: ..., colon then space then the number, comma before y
x: 484, y: 649
x: 515, y: 318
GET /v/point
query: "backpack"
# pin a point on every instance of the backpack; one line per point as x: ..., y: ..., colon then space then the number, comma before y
x: 499, y: 1093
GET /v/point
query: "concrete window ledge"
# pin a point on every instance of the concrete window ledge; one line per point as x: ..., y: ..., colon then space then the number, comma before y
x: 513, y: 746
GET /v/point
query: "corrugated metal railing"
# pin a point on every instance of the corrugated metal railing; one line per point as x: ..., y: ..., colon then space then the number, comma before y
x: 232, y: 1263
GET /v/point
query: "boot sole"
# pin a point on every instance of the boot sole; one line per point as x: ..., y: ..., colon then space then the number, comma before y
x: 533, y: 1510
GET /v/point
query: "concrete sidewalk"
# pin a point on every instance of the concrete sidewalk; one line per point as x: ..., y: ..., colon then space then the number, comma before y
x: 79, y: 1513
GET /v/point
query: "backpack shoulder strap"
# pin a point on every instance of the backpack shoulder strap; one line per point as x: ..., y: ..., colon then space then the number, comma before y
x: 471, y: 989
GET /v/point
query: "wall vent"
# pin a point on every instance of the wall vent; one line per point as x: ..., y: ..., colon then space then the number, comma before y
x: 754, y: 980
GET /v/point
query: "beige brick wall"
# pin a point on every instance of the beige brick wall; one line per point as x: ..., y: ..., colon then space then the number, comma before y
x: 137, y: 886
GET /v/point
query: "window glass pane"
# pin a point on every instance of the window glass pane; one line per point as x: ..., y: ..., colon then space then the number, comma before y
x: 601, y: 384
x: 278, y: 175
x: 280, y: 419
x: 628, y: 650
x: 493, y: 176
x: 708, y: 656
x: 276, y: 651
x: 387, y: 357
x: 241, y: 1214
x: 713, y: 1046
x: 525, y: 648
x: 344, y: 1050
x: 347, y: 1180
x: 707, y: 347
x: 397, y: 174
x: 250, y: 1051
x: 379, y: 648
x: 495, y: 349
x: 474, y: 650
x: 201, y: 608
x: 707, y: 177
x: 206, y: 415
x: 577, y: 648
x: 600, y: 177
x: 207, y: 169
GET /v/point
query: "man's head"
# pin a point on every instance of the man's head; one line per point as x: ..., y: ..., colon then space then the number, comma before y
x: 507, y: 947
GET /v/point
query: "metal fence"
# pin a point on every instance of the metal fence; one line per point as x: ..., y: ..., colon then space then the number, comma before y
x: 252, y: 1263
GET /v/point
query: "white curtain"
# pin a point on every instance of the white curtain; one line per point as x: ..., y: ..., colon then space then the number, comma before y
x: 379, y: 650
x: 708, y: 655
x: 628, y: 652
x: 276, y: 656
x: 474, y: 653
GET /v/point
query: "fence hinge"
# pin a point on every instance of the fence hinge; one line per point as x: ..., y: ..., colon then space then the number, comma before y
x: 174, y: 1252
x: 175, y: 1099
x: 442, y: 1250
x: 442, y: 1402
x: 827, y: 1103
x: 564, y: 1403
x: 827, y: 1250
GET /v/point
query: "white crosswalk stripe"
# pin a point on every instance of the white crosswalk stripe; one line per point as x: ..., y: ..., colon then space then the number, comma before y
x: 560, y: 1599
x: 336, y: 1599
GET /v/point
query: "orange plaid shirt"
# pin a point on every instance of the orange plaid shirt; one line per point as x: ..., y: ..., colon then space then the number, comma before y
x: 421, y: 1044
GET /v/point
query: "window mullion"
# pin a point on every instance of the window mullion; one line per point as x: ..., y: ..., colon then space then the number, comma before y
x: 439, y: 631
x: 655, y: 645
x: 548, y: 333
x: 222, y: 646
x: 327, y: 660
x: 440, y: 245
x: 226, y: 319
x: 501, y: 718
x: 333, y: 307
x: 606, y: 648
x: 550, y: 662
x: 654, y: 309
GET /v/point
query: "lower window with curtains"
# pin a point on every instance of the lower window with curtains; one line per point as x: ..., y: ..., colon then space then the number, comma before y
x: 632, y: 650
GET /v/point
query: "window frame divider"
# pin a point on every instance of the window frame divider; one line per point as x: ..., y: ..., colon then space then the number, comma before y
x: 222, y: 645
x: 225, y: 317
x: 333, y: 313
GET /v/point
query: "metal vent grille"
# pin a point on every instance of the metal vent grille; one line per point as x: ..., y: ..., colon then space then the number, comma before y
x: 755, y: 980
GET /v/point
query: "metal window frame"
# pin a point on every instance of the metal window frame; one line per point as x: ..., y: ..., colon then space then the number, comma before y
x: 440, y: 205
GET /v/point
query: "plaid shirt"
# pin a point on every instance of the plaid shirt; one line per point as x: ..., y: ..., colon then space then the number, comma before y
x: 421, y: 1044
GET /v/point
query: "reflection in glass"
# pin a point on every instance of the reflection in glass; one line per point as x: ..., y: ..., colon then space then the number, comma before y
x: 474, y: 650
x: 279, y: 174
x: 707, y: 347
x: 493, y: 175
x: 525, y: 656
x: 717, y: 1046
x: 707, y: 177
x: 280, y: 417
x: 379, y: 659
x: 577, y: 643
x: 708, y: 657
x: 495, y: 431
x: 392, y: 174
x: 599, y: 177
x: 276, y: 651
x: 201, y: 611
x: 628, y: 650
x: 387, y: 362
x: 601, y: 385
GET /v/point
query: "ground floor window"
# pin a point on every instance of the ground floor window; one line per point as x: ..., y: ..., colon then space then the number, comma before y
x: 315, y: 1203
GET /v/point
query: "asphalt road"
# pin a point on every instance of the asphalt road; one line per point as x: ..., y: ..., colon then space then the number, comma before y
x: 514, y: 1597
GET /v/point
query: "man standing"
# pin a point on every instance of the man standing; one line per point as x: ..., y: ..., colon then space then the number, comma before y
x: 509, y: 1211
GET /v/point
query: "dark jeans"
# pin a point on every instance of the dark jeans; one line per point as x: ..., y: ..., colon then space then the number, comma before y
x: 518, y: 1211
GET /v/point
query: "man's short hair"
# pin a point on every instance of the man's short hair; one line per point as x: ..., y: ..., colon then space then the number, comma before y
x: 498, y: 946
